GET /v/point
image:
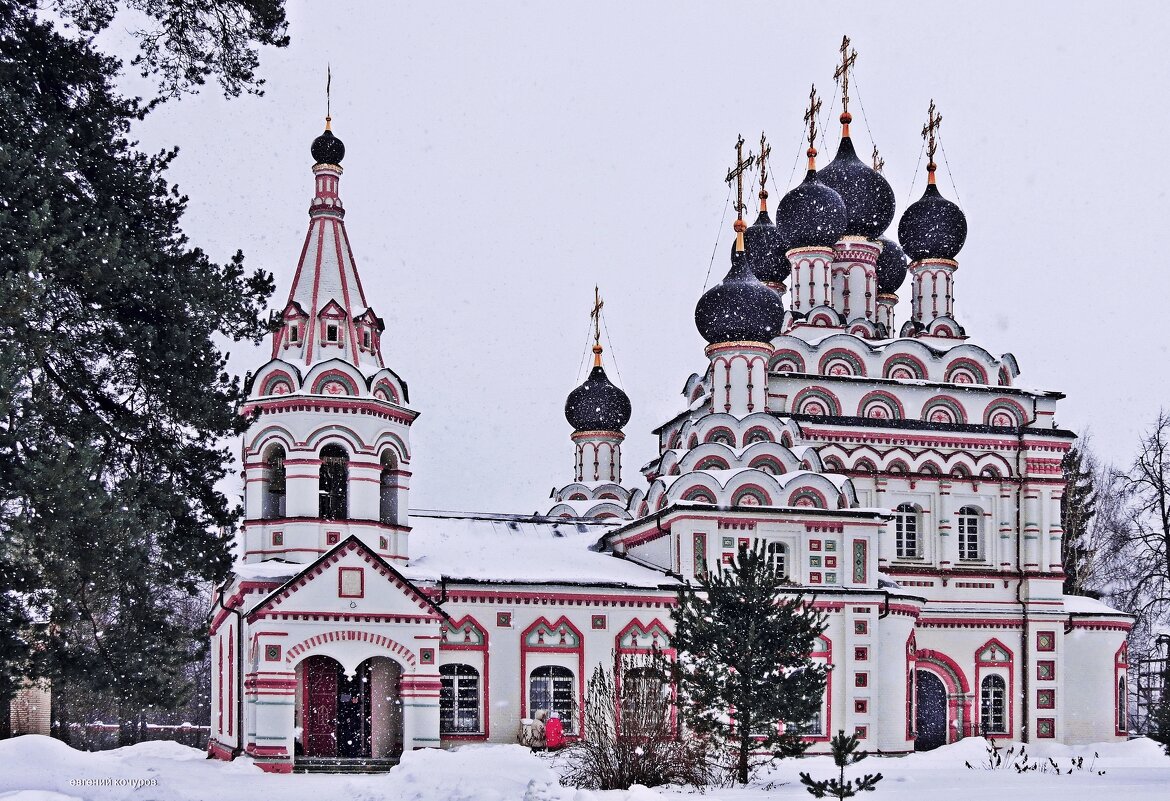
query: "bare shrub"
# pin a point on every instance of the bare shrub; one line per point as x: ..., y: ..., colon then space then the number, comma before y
x: 631, y: 732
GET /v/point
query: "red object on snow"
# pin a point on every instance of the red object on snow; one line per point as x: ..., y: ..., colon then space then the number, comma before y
x: 554, y: 733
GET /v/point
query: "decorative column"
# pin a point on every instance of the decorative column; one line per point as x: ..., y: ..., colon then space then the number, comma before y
x: 599, y: 455
x: 270, y: 700
x: 740, y: 376
x: 419, y: 693
x: 812, y: 279
x: 855, y: 278
x: 932, y: 289
x: 886, y: 302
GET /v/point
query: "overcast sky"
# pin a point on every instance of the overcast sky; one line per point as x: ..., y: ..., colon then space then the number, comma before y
x: 501, y: 158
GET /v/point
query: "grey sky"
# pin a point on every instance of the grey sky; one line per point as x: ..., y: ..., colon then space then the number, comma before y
x: 504, y: 157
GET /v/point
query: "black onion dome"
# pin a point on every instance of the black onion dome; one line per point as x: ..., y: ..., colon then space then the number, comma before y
x: 891, y: 266
x: 765, y: 249
x: 327, y: 149
x: 812, y: 214
x: 597, y: 405
x: 933, y: 227
x: 868, y: 196
x: 740, y: 308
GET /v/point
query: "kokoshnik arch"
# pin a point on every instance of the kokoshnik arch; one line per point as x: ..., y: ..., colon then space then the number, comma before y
x: 900, y: 472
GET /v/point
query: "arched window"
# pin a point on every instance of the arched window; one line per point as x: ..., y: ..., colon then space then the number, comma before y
x: 334, y: 483
x: 645, y: 701
x: 550, y: 687
x: 273, y: 506
x: 970, y: 543
x: 993, y: 705
x: 388, y: 509
x: 459, y: 700
x: 906, y: 542
x: 778, y: 556
x: 1122, y: 721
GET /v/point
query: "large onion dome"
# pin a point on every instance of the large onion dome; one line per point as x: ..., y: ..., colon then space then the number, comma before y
x: 327, y: 148
x: 891, y: 266
x: 932, y: 227
x: 868, y: 197
x: 812, y: 214
x: 740, y: 308
x: 765, y: 249
x: 597, y: 405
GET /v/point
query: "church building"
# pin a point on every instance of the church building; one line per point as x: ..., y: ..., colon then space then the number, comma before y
x: 900, y: 472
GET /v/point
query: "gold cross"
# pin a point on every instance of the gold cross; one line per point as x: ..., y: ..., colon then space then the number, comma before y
x: 742, y: 165
x: 328, y: 86
x: 933, y: 120
x: 765, y: 152
x: 595, y: 315
x: 841, y: 74
x: 810, y: 117
x: 878, y: 161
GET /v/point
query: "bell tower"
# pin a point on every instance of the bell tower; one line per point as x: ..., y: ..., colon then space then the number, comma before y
x: 327, y: 454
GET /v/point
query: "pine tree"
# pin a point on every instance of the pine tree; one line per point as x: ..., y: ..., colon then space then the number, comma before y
x: 743, y: 638
x: 115, y: 396
x: 845, y: 753
x: 1077, y: 507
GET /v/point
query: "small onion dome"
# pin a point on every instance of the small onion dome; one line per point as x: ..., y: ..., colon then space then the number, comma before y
x: 891, y: 266
x: 765, y: 250
x: 740, y: 308
x: 869, y: 199
x: 597, y: 405
x: 812, y: 214
x: 933, y: 227
x: 327, y: 149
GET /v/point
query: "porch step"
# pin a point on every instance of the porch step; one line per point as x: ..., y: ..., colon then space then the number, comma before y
x: 329, y: 765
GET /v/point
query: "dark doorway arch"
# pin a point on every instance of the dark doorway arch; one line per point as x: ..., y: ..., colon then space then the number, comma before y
x: 931, y: 712
x: 351, y: 716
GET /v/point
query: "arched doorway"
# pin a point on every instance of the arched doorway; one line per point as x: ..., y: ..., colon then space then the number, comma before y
x: 356, y: 716
x: 931, y: 712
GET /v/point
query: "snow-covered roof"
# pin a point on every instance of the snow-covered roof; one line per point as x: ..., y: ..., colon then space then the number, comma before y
x: 517, y: 549
x: 1083, y: 605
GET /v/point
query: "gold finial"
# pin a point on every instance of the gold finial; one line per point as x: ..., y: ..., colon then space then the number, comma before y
x: 742, y: 165
x: 765, y: 152
x: 878, y: 161
x: 328, y: 86
x: 810, y: 119
x: 595, y: 315
x: 841, y: 76
x: 933, y: 121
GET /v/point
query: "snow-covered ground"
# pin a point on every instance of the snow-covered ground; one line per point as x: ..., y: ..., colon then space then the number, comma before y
x: 41, y: 769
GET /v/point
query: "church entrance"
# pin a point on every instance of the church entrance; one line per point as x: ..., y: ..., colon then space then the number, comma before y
x: 931, y: 711
x: 354, y: 716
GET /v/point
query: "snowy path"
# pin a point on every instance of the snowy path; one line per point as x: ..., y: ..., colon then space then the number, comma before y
x: 41, y: 769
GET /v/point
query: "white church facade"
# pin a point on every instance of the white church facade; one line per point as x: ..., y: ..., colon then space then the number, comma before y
x: 897, y: 474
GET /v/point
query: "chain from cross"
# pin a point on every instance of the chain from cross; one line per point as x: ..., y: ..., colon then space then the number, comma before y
x: 878, y: 161
x: 933, y: 121
x: 742, y: 165
x: 810, y: 116
x: 328, y: 87
x: 595, y: 315
x: 841, y: 74
x: 765, y: 152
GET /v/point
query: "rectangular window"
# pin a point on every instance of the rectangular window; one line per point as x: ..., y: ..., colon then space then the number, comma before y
x: 968, y: 523
x: 331, y: 332
x: 906, y: 532
x: 366, y: 340
x: 351, y: 582
x: 294, y: 334
x: 550, y: 689
x: 699, y: 544
x: 459, y: 700
x: 860, y: 562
